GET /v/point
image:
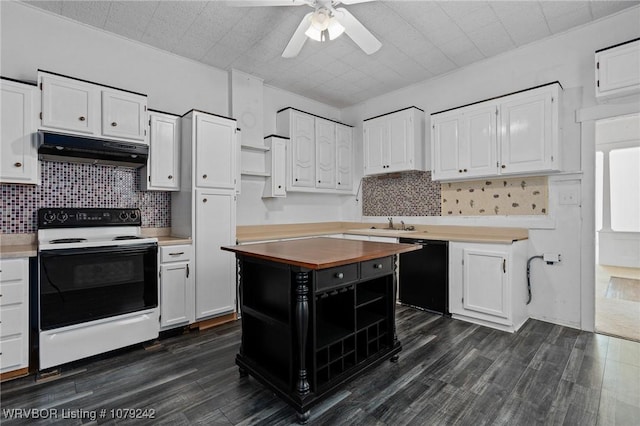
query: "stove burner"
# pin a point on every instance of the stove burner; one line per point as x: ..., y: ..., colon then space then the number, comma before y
x: 67, y: 240
x: 126, y: 237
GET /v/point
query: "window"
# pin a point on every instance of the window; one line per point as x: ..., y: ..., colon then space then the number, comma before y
x: 624, y: 171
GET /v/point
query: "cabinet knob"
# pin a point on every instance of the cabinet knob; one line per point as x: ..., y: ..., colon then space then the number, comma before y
x: 377, y: 266
x: 114, y: 124
x: 339, y: 275
x: 204, y: 176
x: 460, y: 171
x: 464, y: 170
x: 318, y: 181
x: 18, y: 164
x: 279, y: 186
x: 204, y: 200
x: 296, y: 179
x: 170, y: 177
x: 81, y: 118
x: 503, y: 166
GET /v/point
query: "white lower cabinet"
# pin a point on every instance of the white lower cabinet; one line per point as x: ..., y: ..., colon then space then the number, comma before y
x: 177, y: 293
x: 487, y: 283
x: 14, y: 314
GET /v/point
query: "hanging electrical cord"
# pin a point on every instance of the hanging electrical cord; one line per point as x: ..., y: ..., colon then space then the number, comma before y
x: 529, y: 275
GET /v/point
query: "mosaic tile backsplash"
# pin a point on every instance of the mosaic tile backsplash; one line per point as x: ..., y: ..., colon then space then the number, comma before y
x: 491, y: 197
x: 81, y: 185
x: 406, y: 194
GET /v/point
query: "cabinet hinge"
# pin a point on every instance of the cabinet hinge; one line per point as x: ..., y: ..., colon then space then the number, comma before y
x: 149, y: 122
x: 145, y: 132
x: 187, y: 270
x: 463, y: 260
x: 149, y: 178
x: 504, y: 266
x: 598, y: 65
x: 463, y: 300
x: 552, y: 158
x: 40, y: 115
x: 598, y: 83
x: 145, y: 107
x: 159, y: 273
x: 552, y: 99
x: 40, y: 85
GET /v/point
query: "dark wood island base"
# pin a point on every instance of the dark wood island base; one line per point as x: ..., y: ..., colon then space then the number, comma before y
x: 316, y: 313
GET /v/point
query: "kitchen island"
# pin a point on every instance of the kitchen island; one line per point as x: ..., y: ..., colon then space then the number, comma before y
x: 316, y: 312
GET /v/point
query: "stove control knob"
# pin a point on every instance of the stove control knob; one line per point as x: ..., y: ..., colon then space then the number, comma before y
x: 123, y: 216
x: 49, y: 217
x: 133, y: 215
x: 62, y: 217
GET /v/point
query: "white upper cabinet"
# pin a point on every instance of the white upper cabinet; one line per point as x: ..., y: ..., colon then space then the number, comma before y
x: 18, y: 146
x: 512, y: 135
x: 618, y: 70
x: 69, y: 104
x: 215, y: 146
x: 124, y: 115
x: 162, y: 171
x: 344, y: 158
x: 320, y: 152
x: 75, y: 106
x: 529, y: 131
x: 325, y: 154
x: 275, y: 167
x: 464, y: 143
x: 394, y: 142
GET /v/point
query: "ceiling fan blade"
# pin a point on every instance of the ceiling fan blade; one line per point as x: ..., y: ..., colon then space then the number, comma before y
x: 358, y: 33
x: 348, y: 2
x: 298, y: 38
x: 258, y: 3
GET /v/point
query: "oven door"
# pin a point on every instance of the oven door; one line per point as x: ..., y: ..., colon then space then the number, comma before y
x: 86, y: 284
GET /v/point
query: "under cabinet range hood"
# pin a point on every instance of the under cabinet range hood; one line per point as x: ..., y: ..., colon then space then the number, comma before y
x: 83, y: 149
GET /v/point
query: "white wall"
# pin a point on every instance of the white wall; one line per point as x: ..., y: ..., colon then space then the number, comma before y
x: 32, y: 38
x: 568, y: 58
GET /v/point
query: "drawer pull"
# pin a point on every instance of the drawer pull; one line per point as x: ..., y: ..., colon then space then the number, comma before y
x: 377, y: 266
x: 339, y: 275
x: 176, y: 254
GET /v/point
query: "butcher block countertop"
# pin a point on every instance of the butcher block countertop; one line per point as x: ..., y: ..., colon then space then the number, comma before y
x: 320, y: 253
x: 481, y: 234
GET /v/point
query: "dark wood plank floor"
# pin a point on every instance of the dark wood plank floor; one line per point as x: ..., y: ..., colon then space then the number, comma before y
x: 450, y: 372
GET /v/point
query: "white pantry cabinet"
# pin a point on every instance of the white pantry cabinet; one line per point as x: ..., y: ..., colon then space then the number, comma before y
x: 618, y: 69
x: 275, y: 166
x: 80, y: 107
x: 177, y: 293
x: 319, y: 153
x: 208, y: 215
x: 394, y: 142
x: 162, y: 170
x: 18, y: 146
x: 487, y: 283
x: 516, y: 134
x: 14, y: 315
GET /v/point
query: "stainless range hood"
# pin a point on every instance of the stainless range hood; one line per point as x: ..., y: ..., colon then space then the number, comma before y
x: 83, y: 149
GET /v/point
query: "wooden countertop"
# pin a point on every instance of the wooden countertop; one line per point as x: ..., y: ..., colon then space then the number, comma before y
x: 320, y: 253
x: 170, y: 241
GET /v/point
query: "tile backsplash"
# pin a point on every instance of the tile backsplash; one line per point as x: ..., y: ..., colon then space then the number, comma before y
x: 406, y: 194
x: 81, y: 185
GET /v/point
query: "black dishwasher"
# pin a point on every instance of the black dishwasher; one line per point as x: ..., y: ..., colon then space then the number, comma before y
x: 424, y: 276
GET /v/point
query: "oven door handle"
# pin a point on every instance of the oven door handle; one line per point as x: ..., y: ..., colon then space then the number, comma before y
x: 139, y: 248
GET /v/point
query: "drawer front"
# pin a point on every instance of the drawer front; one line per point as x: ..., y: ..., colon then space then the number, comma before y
x: 11, y: 318
x: 335, y: 277
x: 376, y: 267
x: 179, y: 253
x: 11, y: 293
x: 12, y: 354
x: 13, y: 269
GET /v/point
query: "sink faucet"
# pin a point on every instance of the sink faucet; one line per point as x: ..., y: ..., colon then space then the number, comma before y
x: 390, y: 219
x: 402, y: 225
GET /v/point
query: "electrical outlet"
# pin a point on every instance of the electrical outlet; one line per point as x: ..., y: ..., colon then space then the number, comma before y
x: 551, y: 258
x: 569, y: 196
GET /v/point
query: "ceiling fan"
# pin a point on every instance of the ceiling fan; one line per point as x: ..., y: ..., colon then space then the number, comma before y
x: 327, y: 22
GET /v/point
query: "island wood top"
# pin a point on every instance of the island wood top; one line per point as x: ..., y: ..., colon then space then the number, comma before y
x: 321, y: 253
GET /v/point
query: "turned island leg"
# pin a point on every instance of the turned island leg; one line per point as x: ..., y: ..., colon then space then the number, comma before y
x: 395, y: 357
x: 302, y: 325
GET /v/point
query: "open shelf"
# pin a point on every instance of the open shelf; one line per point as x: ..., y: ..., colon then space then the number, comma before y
x: 365, y: 297
x: 366, y: 319
x: 328, y: 333
x: 256, y: 148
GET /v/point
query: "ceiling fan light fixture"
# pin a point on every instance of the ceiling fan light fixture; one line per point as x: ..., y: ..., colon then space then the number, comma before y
x: 313, y: 33
x: 320, y: 19
x: 335, y: 29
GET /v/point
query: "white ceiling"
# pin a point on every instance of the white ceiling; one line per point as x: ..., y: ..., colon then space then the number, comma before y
x: 420, y: 39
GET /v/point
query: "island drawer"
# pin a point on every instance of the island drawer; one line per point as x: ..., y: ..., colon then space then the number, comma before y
x: 335, y: 277
x: 376, y: 267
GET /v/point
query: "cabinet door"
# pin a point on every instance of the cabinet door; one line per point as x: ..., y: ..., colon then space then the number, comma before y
x: 14, y: 314
x: 485, y: 284
x: 215, y: 155
x: 124, y: 115
x: 325, y: 132
x: 278, y: 167
x: 400, y: 141
x: 344, y: 157
x: 478, y: 155
x: 618, y: 70
x: 18, y: 143
x: 376, y: 146
x: 303, y: 150
x: 176, y: 295
x: 215, y: 269
x: 164, y: 152
x: 70, y: 105
x: 446, y: 139
x: 527, y: 139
